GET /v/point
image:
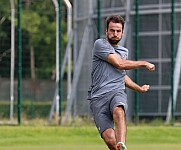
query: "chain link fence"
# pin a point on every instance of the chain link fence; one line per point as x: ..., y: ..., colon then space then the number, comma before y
x: 39, y: 54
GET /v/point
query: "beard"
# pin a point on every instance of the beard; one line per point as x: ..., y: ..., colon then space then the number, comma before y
x: 113, y: 41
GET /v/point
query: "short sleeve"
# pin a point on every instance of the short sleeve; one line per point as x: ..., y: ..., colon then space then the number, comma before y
x: 102, y: 49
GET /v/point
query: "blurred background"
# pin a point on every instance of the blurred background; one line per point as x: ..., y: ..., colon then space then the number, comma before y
x: 46, y: 49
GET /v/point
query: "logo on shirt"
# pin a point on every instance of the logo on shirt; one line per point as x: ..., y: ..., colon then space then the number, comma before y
x: 123, y: 56
x: 122, y: 103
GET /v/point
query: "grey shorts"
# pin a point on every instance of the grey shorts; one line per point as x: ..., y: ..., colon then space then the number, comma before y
x: 102, y: 109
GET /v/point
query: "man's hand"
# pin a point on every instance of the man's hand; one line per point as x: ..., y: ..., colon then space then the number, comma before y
x: 150, y: 66
x: 144, y: 88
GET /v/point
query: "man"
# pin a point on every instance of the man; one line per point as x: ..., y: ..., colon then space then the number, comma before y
x: 108, y: 100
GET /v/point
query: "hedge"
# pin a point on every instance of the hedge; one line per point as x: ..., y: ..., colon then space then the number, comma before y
x: 29, y: 109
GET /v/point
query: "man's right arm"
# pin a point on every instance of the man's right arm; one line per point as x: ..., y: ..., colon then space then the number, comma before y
x: 128, y: 64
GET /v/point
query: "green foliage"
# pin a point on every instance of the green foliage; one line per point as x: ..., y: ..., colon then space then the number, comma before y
x: 38, y: 33
x: 4, y: 38
x: 29, y: 109
x: 4, y: 9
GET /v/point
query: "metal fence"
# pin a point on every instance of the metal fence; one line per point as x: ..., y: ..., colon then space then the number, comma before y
x: 38, y: 25
x: 155, y: 46
x: 39, y: 44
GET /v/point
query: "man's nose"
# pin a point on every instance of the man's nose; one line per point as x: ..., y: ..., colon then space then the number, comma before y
x: 115, y: 33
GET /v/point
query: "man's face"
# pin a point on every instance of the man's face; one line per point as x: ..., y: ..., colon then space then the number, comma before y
x: 114, y: 33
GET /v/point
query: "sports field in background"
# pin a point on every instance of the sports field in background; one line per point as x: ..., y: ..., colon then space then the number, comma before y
x: 86, y: 138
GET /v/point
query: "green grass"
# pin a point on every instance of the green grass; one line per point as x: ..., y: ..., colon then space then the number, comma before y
x: 79, y: 138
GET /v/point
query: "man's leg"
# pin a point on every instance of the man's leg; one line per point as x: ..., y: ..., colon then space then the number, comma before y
x: 120, y: 123
x: 110, y: 138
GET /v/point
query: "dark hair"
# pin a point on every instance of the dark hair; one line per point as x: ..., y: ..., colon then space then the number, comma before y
x: 114, y: 19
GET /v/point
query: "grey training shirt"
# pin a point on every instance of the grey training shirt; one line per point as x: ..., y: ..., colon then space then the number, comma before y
x: 105, y: 77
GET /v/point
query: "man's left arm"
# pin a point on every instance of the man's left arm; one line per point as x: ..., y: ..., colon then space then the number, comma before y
x: 132, y: 85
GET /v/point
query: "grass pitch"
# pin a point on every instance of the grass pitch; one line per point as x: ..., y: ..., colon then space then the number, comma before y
x: 79, y: 138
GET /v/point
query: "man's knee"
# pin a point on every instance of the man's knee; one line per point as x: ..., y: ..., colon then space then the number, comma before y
x: 118, y: 111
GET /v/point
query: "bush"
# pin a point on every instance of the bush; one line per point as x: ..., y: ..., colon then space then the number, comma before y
x: 29, y: 109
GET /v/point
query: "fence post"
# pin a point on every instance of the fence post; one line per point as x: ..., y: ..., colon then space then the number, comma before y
x: 60, y: 59
x: 99, y: 18
x: 19, y: 61
x: 172, y: 59
x: 137, y: 57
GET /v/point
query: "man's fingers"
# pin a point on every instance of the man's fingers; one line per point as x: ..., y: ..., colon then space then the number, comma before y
x: 145, y: 88
x: 152, y: 67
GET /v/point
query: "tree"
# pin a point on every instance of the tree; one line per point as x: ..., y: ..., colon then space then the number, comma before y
x: 38, y: 35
